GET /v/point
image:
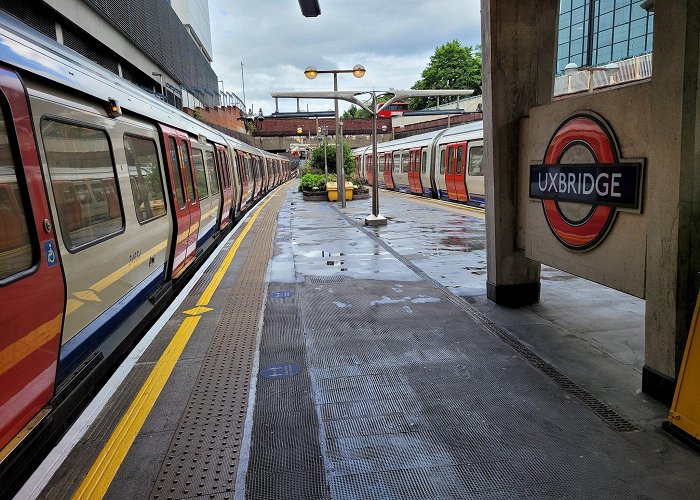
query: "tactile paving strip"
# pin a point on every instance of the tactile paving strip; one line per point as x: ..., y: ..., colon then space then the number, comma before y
x: 202, y: 459
x: 607, y: 414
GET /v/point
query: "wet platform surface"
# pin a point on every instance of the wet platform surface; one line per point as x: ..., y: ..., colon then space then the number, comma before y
x: 367, y: 363
x: 425, y: 389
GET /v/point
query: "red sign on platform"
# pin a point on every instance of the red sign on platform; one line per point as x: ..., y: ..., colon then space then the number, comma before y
x: 583, y: 182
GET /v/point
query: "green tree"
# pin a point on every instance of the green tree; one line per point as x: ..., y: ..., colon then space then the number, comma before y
x: 356, y: 112
x: 317, y: 159
x: 452, y: 66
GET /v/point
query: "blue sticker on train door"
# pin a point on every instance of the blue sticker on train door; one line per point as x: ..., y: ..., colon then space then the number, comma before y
x: 50, y: 252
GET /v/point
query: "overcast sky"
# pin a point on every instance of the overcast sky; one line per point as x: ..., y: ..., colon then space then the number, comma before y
x: 392, y: 39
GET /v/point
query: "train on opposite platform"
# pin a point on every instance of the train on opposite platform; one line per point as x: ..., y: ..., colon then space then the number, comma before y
x: 444, y: 164
x: 109, y: 199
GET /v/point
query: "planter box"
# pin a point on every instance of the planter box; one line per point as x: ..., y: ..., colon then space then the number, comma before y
x: 314, y: 195
x: 361, y: 194
x: 332, y: 189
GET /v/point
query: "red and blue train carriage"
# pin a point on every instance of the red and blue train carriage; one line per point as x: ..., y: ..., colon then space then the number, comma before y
x: 103, y: 211
x: 444, y: 164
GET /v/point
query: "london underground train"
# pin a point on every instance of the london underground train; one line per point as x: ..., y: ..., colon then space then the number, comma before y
x: 109, y: 198
x: 445, y: 164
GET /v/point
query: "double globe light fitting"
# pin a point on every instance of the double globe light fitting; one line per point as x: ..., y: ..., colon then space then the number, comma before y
x: 358, y: 71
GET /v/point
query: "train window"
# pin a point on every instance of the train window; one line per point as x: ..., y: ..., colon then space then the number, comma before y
x: 404, y: 162
x: 80, y: 163
x: 476, y: 157
x: 177, y: 172
x: 442, y: 161
x: 211, y: 173
x: 144, y: 174
x: 459, y: 160
x: 424, y: 161
x: 188, y: 171
x: 199, y: 173
x: 15, y: 245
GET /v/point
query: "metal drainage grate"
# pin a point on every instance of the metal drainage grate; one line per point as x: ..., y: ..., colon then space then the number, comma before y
x: 607, y: 414
x: 321, y: 280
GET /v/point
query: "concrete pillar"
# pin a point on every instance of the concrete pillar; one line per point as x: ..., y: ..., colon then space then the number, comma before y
x: 672, y: 194
x: 518, y: 50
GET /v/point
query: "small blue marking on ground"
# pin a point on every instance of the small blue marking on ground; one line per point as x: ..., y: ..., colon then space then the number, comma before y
x: 284, y: 370
x: 283, y: 294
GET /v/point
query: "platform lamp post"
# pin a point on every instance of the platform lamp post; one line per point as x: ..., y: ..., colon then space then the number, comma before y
x: 323, y: 131
x: 358, y: 71
x: 375, y: 219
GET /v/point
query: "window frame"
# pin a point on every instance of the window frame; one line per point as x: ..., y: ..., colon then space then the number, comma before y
x: 162, y: 179
x: 91, y: 126
x: 204, y: 171
x: 27, y: 211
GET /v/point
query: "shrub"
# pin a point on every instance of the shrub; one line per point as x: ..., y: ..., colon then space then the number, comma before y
x: 312, y: 182
x: 317, y: 159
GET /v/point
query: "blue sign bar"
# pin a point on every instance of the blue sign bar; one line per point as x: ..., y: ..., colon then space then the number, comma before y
x: 612, y: 184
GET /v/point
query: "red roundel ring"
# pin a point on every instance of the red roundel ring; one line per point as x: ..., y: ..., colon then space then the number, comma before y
x: 588, y: 232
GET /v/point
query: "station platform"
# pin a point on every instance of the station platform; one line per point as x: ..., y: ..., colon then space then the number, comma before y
x: 315, y: 358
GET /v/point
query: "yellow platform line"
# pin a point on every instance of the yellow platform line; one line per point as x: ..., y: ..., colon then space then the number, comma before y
x: 103, y: 470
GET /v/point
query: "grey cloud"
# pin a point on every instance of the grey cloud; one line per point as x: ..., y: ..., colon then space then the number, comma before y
x: 392, y: 39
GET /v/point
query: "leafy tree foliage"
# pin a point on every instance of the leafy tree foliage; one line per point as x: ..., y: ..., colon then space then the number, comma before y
x: 356, y: 112
x: 452, y: 66
x: 317, y: 159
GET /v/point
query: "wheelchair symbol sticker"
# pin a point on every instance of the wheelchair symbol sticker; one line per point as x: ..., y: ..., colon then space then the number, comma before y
x: 50, y: 252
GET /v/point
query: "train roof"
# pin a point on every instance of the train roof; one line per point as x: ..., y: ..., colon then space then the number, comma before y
x: 466, y: 131
x: 32, y: 52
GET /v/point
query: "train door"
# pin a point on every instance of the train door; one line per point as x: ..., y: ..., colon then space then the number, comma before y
x: 258, y: 176
x: 389, y: 166
x: 393, y: 167
x: 242, y: 175
x: 475, y: 173
x: 460, y: 172
x: 184, y: 197
x: 454, y: 175
x: 414, y: 171
x: 369, y: 169
x: 224, y: 169
x: 31, y: 282
x: 441, y: 174
x: 424, y: 172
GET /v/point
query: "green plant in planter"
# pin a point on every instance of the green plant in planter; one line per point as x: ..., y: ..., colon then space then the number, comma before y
x: 312, y: 182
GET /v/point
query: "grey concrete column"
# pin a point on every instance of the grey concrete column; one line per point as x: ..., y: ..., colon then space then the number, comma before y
x: 518, y: 50
x: 672, y: 194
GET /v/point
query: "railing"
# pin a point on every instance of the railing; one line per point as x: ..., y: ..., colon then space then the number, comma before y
x: 636, y: 68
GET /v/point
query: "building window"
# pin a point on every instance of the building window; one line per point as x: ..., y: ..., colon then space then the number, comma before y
x: 596, y: 32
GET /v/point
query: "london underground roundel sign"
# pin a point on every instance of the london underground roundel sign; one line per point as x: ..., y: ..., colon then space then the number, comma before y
x: 582, y: 182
